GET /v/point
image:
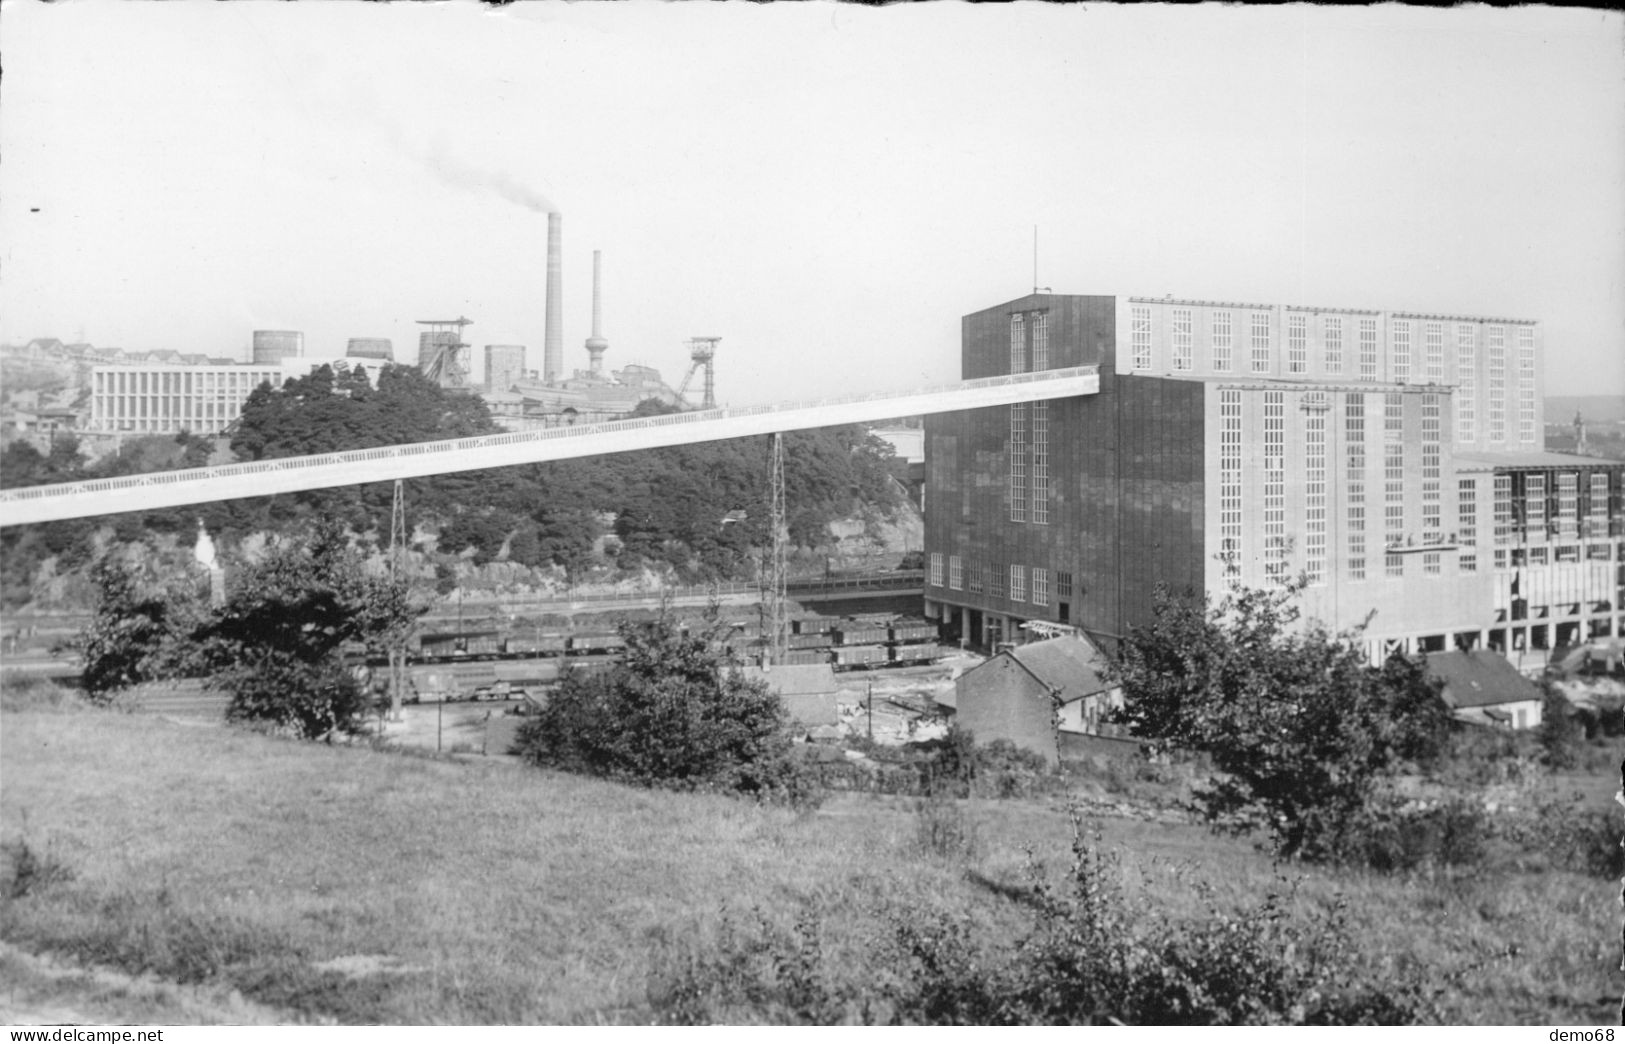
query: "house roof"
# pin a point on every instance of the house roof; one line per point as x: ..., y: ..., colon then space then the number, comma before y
x: 1480, y: 678
x: 1071, y: 665
x: 794, y: 679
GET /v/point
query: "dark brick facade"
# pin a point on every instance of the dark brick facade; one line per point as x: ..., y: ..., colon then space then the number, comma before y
x: 1125, y: 498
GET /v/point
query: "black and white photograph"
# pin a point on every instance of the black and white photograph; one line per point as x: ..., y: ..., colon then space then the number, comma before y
x: 627, y: 514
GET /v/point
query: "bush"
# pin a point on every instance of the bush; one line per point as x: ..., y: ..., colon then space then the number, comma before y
x: 1396, y: 837
x: 671, y: 713
x: 942, y: 829
x: 140, y: 631
x: 310, y: 700
x: 1301, y: 730
x: 1090, y: 956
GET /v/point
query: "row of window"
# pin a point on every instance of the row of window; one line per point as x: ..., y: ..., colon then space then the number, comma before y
x: 1015, y: 583
x: 1221, y: 343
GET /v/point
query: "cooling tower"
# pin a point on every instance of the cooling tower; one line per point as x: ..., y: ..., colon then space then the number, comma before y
x: 553, y: 343
x: 273, y: 346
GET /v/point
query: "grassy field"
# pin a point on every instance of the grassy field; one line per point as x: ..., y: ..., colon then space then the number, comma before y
x: 353, y: 885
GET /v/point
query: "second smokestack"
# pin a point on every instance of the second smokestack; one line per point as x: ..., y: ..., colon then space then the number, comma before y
x: 553, y: 341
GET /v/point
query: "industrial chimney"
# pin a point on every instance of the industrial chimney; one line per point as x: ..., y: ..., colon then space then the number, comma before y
x: 553, y: 341
x: 596, y: 345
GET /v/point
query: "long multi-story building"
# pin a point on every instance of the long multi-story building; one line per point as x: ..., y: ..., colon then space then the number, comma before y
x: 168, y: 398
x: 1394, y: 460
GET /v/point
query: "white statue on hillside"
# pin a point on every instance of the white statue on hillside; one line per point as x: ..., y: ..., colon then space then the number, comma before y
x: 204, y: 551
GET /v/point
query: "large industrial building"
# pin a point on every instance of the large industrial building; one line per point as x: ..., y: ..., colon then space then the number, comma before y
x: 1393, y: 459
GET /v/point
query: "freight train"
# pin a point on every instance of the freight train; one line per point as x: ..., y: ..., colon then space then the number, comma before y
x: 493, y: 665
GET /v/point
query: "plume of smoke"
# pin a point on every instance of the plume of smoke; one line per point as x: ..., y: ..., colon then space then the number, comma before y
x: 454, y: 172
x: 438, y: 157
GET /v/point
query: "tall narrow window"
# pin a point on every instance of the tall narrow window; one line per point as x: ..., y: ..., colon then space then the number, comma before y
x: 1040, y: 340
x: 1568, y: 505
x: 1230, y: 482
x: 1018, y: 463
x: 978, y: 576
x: 1534, y: 507
x: 1332, y: 344
x: 1368, y: 349
x: 1401, y: 359
x: 1498, y: 383
x: 956, y: 573
x: 1432, y: 481
x: 1040, y: 586
x: 1314, y: 487
x: 1261, y: 343
x: 1526, y: 385
x: 1223, y: 342
x: 1297, y: 343
x: 1040, y: 492
x: 1467, y: 524
x: 1503, y: 518
x: 936, y: 569
x: 1018, y: 343
x: 1597, y: 509
x: 1275, y: 564
x: 1466, y: 397
x: 1393, y: 449
x: 1140, y: 337
x: 1182, y: 338
x: 1018, y: 584
x: 1433, y: 352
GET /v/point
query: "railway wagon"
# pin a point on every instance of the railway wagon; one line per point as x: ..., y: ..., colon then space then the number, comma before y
x: 914, y: 632
x: 807, y: 657
x: 445, y: 646
x: 917, y: 653
x: 589, y: 644
x: 860, y: 656
x: 521, y: 678
x: 861, y: 635
x: 814, y: 625
x: 445, y: 683
x: 808, y: 641
x: 535, y: 644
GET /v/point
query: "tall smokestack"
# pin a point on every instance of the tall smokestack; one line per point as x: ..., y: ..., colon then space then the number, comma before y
x: 596, y: 345
x: 553, y: 342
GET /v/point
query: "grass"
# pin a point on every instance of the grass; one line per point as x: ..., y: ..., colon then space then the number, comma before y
x: 508, y: 895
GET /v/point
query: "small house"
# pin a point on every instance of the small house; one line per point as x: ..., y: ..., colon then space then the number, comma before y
x: 1029, y: 693
x: 1480, y: 686
x: 808, y: 690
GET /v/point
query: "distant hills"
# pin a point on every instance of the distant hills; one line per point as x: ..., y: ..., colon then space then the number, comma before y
x: 1596, y: 409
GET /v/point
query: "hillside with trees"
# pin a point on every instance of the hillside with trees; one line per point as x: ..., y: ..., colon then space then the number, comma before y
x: 695, y: 513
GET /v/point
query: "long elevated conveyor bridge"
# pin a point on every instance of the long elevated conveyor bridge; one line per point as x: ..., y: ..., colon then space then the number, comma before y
x: 164, y: 489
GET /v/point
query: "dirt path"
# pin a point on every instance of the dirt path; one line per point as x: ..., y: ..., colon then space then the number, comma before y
x: 40, y: 991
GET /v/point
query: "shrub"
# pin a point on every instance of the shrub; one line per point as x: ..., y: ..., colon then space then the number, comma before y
x: 31, y: 870
x: 140, y: 630
x: 942, y: 829
x: 310, y: 700
x: 1300, y: 729
x: 1090, y: 956
x: 1396, y: 837
x: 672, y: 713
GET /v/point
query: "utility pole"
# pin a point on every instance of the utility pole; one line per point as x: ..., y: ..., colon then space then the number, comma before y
x: 777, y: 565
x: 397, y: 569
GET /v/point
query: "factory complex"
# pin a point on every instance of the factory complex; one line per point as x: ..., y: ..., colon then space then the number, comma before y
x: 1393, y: 460
x: 166, y: 392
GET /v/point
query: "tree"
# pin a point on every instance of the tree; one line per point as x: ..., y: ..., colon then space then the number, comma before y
x: 1559, y: 731
x: 671, y: 713
x: 275, y: 645
x: 1301, y: 730
x: 141, y: 629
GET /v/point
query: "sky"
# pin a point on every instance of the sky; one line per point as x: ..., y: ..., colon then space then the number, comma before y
x: 826, y: 187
